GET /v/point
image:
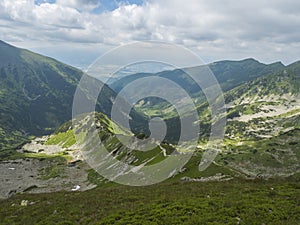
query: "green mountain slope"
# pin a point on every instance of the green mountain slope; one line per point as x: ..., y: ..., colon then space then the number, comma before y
x: 265, y: 110
x: 266, y: 105
x: 229, y: 74
x: 262, y: 132
x: 109, y: 134
x: 233, y: 73
x: 221, y: 194
x: 233, y: 202
x: 59, y: 156
x: 253, y: 180
x: 36, y: 94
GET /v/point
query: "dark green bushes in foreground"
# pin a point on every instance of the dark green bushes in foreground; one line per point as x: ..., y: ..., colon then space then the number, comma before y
x: 232, y: 202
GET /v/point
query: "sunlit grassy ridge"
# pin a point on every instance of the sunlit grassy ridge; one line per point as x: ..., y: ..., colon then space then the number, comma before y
x: 65, y: 140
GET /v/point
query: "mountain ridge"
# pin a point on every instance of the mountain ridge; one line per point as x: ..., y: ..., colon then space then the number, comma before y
x: 223, y: 70
x: 36, y: 94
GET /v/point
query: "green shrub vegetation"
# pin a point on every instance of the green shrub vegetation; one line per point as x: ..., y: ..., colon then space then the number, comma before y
x: 232, y: 202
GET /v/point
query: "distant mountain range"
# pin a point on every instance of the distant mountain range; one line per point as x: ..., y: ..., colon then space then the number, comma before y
x: 37, y: 92
x: 261, y: 136
x: 231, y: 75
x: 228, y: 73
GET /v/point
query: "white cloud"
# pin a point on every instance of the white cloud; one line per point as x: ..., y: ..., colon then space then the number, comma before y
x: 216, y: 29
x: 57, y: 16
x: 85, y: 5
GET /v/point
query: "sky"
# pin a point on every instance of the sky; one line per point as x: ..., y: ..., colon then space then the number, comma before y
x: 79, y: 31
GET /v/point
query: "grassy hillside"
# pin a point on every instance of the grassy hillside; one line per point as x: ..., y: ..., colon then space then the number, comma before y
x: 229, y: 74
x: 264, y: 107
x: 262, y: 132
x: 36, y: 95
x: 233, y: 190
x: 234, y: 202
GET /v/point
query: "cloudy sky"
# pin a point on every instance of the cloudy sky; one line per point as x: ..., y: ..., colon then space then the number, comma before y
x: 78, y: 31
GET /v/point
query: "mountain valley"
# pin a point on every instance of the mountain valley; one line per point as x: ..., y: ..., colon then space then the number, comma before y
x: 42, y: 158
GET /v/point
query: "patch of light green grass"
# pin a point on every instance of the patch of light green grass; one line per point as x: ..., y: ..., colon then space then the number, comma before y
x: 64, y: 139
